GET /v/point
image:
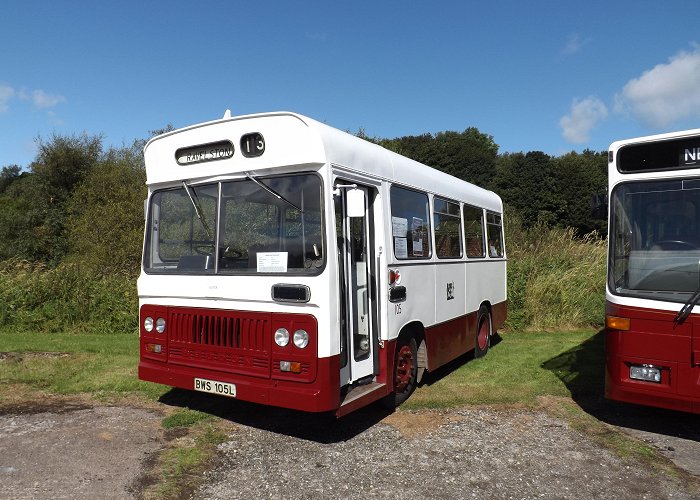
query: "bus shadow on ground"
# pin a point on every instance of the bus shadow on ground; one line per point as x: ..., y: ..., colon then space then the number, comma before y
x: 318, y: 427
x: 582, y: 370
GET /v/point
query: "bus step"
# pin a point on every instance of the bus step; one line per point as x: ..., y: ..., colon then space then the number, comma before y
x: 361, y: 396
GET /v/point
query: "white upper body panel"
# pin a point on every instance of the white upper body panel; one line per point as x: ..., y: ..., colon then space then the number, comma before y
x: 295, y: 140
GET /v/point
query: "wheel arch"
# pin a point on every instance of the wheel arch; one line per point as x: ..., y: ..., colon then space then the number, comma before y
x: 416, y: 329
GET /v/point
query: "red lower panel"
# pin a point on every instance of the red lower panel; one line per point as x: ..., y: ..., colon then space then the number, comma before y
x: 449, y: 340
x: 321, y: 395
x: 499, y: 312
x: 653, y: 339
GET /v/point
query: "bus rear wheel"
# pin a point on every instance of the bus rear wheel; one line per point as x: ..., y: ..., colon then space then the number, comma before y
x: 405, y: 372
x: 483, y: 332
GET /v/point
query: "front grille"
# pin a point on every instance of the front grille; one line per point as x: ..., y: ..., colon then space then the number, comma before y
x: 232, y: 341
x: 221, y: 329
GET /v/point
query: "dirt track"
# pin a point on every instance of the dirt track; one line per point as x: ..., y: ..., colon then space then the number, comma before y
x: 79, y: 451
x: 76, y: 451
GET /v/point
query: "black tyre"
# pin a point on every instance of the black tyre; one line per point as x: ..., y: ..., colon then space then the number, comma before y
x: 483, y: 332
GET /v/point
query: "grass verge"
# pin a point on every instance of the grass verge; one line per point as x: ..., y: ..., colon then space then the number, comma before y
x: 103, y: 365
x: 521, y: 368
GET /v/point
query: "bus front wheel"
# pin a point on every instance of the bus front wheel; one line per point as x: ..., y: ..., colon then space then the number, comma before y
x: 405, y: 371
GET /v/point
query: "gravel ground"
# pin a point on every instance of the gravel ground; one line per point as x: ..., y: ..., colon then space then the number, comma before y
x: 472, y: 453
x: 76, y: 450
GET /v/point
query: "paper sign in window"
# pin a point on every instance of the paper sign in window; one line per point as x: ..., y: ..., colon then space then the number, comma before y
x: 399, y: 226
x: 417, y: 236
x: 401, y: 247
x: 272, y: 262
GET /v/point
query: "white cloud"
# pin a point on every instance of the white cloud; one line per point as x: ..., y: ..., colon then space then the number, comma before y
x: 6, y: 94
x: 583, y: 116
x: 574, y: 44
x: 666, y: 93
x: 41, y: 99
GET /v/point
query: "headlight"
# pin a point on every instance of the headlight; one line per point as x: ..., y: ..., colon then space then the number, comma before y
x: 281, y: 337
x: 160, y: 325
x: 301, y: 339
x: 148, y: 324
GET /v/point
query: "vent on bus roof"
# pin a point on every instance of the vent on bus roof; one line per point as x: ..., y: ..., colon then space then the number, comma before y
x: 227, y: 114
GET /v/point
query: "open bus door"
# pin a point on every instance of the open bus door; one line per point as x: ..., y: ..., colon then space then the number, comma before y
x: 358, y: 335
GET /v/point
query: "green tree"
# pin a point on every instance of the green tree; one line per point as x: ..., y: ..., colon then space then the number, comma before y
x: 63, y: 162
x: 578, y: 178
x: 526, y: 183
x: 105, y: 227
x: 8, y: 175
x: 40, y: 211
x: 23, y: 214
x: 469, y: 155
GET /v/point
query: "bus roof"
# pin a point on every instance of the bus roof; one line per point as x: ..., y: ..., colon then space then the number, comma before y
x: 654, y: 138
x: 293, y: 139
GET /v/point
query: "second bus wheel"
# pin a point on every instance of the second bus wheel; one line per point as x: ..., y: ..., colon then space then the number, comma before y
x: 483, y: 332
x: 405, y: 371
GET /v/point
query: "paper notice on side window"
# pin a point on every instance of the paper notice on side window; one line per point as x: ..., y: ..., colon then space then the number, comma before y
x: 400, y: 248
x: 272, y: 262
x: 417, y: 236
x: 399, y: 226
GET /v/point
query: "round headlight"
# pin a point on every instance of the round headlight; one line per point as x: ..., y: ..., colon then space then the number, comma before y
x: 160, y: 325
x: 301, y: 339
x: 281, y: 337
x: 148, y: 324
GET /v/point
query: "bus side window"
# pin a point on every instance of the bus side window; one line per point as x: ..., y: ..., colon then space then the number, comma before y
x: 448, y: 244
x: 494, y: 229
x: 410, y: 214
x: 474, y: 231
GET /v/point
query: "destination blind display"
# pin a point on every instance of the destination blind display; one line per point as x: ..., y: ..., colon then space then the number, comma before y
x: 204, y: 152
x: 654, y: 156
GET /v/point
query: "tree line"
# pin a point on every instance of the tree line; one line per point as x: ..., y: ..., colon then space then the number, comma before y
x: 80, y: 202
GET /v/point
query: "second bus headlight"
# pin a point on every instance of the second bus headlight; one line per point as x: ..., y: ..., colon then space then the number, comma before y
x: 301, y: 339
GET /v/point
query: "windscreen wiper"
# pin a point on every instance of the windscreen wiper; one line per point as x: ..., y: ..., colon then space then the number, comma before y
x: 273, y: 192
x: 687, y: 308
x: 197, y: 208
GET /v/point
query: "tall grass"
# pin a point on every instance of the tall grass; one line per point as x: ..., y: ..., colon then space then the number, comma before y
x: 555, y: 279
x: 69, y: 297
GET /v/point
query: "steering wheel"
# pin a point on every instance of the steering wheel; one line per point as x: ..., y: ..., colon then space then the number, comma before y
x: 204, y: 250
x: 232, y: 253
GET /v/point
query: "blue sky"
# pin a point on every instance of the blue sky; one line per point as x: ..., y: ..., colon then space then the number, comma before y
x: 552, y: 76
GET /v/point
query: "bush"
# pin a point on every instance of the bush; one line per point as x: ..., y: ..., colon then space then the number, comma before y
x: 555, y: 280
x: 66, y: 298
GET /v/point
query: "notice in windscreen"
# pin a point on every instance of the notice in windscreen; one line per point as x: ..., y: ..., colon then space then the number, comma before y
x: 272, y: 262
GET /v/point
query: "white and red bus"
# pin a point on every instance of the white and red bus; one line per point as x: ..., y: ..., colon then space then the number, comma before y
x: 288, y: 263
x: 653, y: 285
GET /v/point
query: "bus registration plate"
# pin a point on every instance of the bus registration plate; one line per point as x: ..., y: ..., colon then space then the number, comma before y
x: 215, y: 387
